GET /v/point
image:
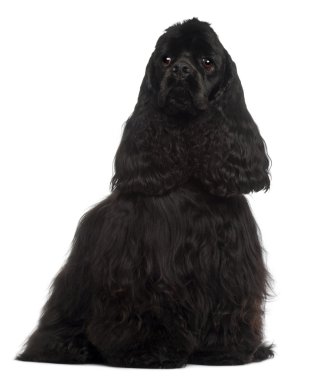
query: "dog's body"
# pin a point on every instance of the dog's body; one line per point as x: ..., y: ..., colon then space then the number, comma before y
x: 169, y: 269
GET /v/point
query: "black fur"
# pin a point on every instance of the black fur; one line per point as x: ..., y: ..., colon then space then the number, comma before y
x: 169, y: 268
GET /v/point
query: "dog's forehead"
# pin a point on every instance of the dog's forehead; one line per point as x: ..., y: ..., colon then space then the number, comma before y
x: 194, y: 43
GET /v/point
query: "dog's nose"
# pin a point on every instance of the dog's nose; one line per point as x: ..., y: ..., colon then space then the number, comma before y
x: 181, y: 70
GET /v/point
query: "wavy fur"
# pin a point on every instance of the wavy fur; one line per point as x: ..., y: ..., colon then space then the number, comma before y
x: 169, y: 268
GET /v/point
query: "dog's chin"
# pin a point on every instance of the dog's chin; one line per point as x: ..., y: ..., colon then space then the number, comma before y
x: 179, y: 102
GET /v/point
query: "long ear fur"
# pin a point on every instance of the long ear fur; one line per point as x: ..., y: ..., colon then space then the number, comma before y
x: 228, y: 153
x: 151, y: 156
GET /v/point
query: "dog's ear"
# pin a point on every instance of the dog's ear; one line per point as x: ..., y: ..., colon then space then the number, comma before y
x: 230, y: 155
x: 151, y: 156
x: 146, y: 91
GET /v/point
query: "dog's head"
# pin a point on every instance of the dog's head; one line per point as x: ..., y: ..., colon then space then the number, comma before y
x: 188, y: 68
x: 191, y: 121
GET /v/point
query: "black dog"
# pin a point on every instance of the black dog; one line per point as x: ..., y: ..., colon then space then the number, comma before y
x: 169, y: 268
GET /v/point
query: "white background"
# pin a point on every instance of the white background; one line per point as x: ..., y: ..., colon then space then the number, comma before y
x: 70, y: 73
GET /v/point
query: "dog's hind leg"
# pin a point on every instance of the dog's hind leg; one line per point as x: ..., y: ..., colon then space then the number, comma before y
x: 60, y: 334
x: 58, y: 346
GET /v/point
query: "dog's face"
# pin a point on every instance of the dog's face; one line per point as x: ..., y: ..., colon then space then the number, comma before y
x: 188, y: 67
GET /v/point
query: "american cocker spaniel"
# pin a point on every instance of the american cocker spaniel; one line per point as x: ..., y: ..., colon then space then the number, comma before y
x: 169, y: 269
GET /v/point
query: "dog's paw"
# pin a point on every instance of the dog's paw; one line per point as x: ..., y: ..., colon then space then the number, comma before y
x: 146, y: 360
x: 263, y: 352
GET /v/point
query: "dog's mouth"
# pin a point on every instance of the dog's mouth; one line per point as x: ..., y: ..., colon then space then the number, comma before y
x: 179, y: 95
x: 178, y: 99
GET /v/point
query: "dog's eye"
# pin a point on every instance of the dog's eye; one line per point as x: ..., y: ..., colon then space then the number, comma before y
x: 166, y: 61
x: 208, y: 64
